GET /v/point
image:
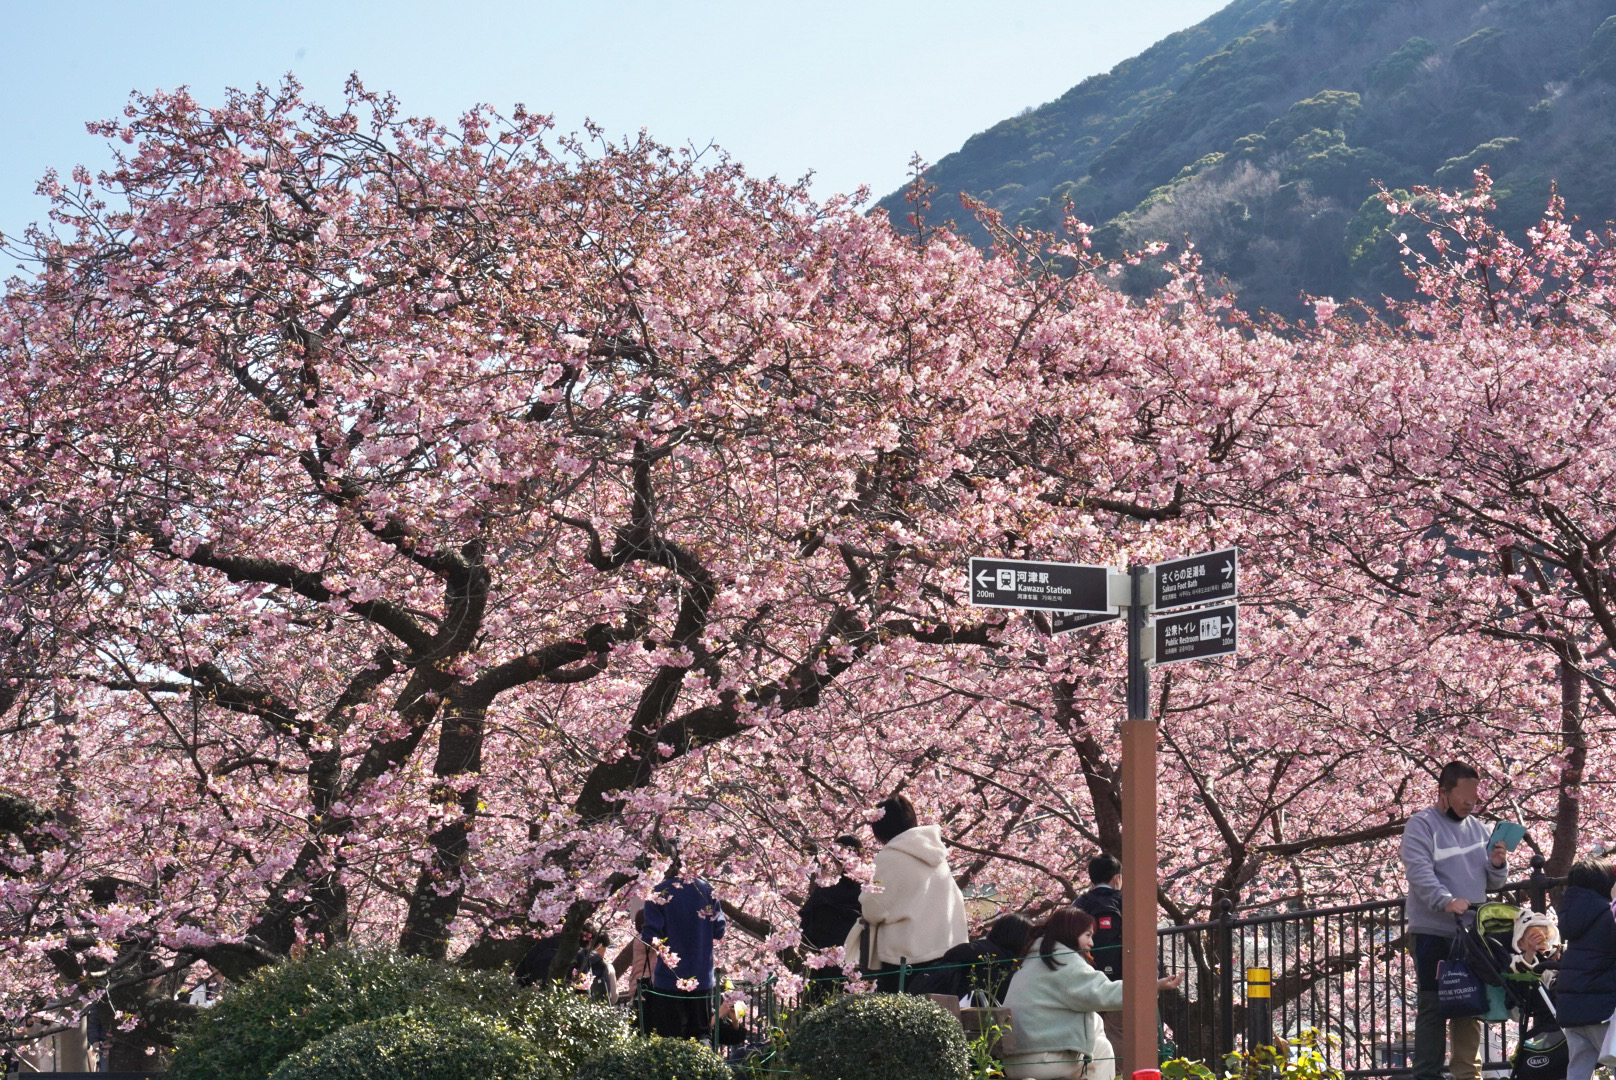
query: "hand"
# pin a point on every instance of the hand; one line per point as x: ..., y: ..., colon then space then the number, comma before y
x: 1457, y: 906
x: 1172, y: 982
x: 1500, y: 855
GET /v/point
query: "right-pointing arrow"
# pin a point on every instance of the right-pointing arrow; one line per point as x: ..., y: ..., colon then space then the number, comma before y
x: 1228, y: 569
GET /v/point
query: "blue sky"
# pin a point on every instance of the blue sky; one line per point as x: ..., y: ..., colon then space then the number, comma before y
x: 847, y: 90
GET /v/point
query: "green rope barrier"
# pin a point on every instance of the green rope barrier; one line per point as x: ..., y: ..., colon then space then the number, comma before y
x: 766, y: 1008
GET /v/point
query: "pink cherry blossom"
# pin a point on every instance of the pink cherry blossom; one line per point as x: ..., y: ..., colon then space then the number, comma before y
x: 414, y: 534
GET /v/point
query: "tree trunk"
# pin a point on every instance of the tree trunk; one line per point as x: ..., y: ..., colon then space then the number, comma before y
x: 1573, y: 739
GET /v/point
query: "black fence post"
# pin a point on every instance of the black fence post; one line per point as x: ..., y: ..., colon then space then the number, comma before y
x: 1538, y: 885
x: 1225, y: 981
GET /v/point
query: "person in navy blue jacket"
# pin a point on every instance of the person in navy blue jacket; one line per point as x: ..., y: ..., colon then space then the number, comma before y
x: 683, y: 915
x: 1585, y: 990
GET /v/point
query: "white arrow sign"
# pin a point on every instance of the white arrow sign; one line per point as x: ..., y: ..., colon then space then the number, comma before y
x: 1197, y: 579
x: 1021, y: 583
x: 1195, y: 635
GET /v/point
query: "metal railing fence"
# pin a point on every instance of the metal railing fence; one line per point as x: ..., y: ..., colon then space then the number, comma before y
x: 1345, y: 972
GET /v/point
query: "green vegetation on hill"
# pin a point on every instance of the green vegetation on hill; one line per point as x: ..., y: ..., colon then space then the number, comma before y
x: 1260, y: 133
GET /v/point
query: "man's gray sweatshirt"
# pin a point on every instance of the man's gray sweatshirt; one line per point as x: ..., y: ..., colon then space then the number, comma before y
x: 1445, y: 860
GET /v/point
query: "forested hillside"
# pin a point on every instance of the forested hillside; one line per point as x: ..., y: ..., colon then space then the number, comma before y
x: 1260, y: 134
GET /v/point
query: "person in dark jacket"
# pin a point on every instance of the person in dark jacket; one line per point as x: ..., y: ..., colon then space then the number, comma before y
x: 984, y: 965
x: 828, y: 916
x: 830, y: 911
x: 683, y: 915
x: 1585, y: 991
x: 592, y: 962
x: 534, y: 967
x: 1104, y: 903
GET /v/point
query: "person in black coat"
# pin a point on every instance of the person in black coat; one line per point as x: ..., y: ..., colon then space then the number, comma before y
x: 534, y: 967
x: 1103, y: 902
x: 830, y: 911
x: 984, y: 965
x: 1585, y: 990
x: 828, y: 916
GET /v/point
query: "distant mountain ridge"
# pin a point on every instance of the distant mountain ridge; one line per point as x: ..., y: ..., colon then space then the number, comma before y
x: 1258, y: 135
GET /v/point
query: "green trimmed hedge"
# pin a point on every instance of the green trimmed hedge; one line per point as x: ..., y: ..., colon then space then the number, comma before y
x: 656, y: 1058
x: 435, y: 1046
x: 260, y: 1023
x: 880, y: 1037
x: 565, y: 1028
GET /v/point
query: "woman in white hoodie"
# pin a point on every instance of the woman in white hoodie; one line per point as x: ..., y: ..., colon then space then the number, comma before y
x: 914, y: 910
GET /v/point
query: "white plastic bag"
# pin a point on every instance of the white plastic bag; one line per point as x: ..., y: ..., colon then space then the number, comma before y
x: 1607, y: 1049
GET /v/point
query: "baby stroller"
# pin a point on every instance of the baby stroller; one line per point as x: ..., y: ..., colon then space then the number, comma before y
x: 1493, y: 950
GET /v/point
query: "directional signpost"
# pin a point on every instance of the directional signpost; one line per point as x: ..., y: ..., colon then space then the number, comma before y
x: 1017, y: 583
x: 1078, y: 596
x: 1062, y: 622
x: 1198, y: 579
x: 1196, y: 635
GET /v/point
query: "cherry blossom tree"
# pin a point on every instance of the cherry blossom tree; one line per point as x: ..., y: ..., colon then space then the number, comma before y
x: 415, y: 531
x: 1468, y: 481
x: 453, y: 497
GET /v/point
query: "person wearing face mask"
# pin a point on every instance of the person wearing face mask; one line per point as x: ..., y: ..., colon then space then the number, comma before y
x: 1055, y: 999
x: 1449, y: 869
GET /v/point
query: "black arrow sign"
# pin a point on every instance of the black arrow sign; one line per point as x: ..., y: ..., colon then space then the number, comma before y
x: 1197, y: 579
x: 1197, y: 635
x: 1016, y: 583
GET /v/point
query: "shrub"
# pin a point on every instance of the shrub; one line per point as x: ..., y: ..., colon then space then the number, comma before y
x: 566, y: 1028
x: 880, y: 1037
x: 257, y: 1025
x: 1301, y: 1058
x: 416, y: 1046
x: 656, y: 1059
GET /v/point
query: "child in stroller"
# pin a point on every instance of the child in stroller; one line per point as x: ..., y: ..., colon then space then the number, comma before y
x: 1516, y: 949
x: 1536, y: 945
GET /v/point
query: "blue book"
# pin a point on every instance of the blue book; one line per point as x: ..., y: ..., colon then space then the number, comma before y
x: 1507, y: 833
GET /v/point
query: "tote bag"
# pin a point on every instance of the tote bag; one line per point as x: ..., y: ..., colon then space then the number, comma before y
x: 1459, y: 991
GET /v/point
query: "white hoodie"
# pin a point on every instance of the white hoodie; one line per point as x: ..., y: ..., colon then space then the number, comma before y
x: 918, y: 908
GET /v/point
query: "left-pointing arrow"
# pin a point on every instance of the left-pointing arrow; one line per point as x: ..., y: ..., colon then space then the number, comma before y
x: 983, y: 579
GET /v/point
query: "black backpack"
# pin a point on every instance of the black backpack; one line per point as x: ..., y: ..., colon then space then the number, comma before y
x: 1106, y: 908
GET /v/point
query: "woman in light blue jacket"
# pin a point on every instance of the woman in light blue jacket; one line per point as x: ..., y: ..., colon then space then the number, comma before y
x: 1054, y: 1000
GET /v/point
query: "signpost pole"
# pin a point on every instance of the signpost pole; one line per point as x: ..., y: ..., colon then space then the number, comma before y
x: 1077, y: 595
x: 1139, y: 1049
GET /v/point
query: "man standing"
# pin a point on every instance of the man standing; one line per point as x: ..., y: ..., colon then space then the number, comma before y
x: 1449, y: 870
x: 683, y: 918
x: 1104, y: 903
